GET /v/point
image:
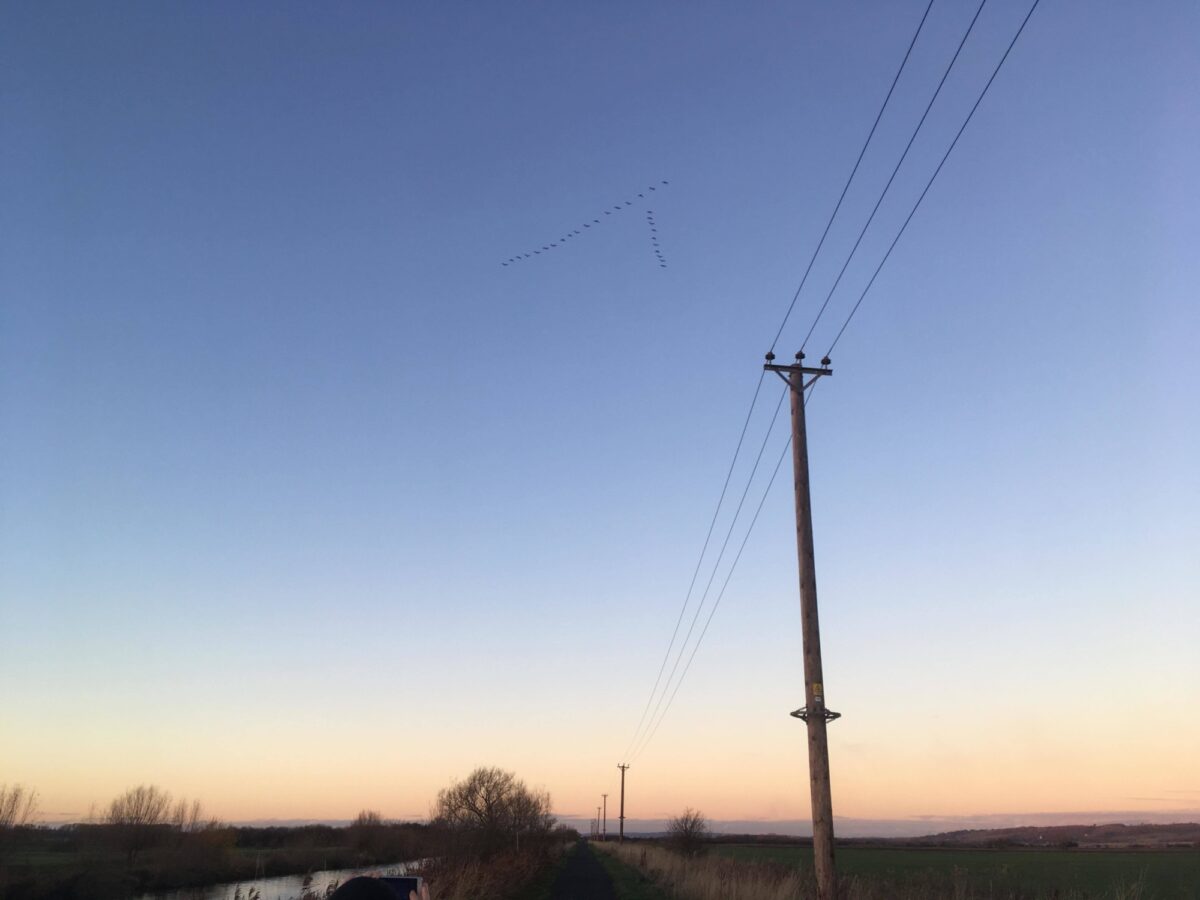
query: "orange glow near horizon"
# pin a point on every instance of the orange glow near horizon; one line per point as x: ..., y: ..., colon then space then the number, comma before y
x: 941, y: 772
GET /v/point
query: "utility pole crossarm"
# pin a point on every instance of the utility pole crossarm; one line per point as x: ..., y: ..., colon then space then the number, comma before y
x: 770, y: 366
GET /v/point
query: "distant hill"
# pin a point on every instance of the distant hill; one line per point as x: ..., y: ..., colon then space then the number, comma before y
x: 1116, y: 828
x: 1085, y: 837
x: 1182, y: 834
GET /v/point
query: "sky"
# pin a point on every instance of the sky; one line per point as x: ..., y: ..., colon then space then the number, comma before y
x: 308, y: 504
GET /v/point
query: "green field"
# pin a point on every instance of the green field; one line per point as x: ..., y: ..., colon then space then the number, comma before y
x: 1163, y: 874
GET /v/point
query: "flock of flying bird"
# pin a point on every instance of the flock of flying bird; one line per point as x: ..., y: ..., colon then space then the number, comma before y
x: 662, y: 263
x: 572, y: 234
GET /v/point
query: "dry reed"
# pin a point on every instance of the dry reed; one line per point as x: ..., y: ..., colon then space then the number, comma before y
x: 715, y: 877
x: 499, y: 877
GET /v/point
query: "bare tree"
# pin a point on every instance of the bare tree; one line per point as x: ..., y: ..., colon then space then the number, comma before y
x: 188, y: 817
x: 688, y: 832
x: 491, y: 807
x: 140, y: 817
x: 366, y: 830
x: 18, y: 806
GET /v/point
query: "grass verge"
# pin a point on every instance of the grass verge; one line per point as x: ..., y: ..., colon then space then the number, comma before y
x: 540, y: 887
x: 720, y: 877
x: 629, y: 881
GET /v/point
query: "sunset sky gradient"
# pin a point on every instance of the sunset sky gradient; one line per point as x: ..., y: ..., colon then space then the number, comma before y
x: 307, y: 504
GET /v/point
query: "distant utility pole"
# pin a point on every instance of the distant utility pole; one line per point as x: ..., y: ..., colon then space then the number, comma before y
x: 814, y: 713
x: 621, y: 836
x: 604, y: 828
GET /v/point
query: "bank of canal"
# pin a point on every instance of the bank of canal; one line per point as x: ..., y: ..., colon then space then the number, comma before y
x: 284, y: 887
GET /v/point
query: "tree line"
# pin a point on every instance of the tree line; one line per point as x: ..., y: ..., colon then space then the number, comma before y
x: 145, y: 839
x: 488, y: 823
x: 488, y: 834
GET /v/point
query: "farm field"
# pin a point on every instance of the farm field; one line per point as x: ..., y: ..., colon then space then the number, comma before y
x: 1166, y: 874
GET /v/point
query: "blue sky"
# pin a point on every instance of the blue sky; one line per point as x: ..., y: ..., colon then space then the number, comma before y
x: 287, y: 455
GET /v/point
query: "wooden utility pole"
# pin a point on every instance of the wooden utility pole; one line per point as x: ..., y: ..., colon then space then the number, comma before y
x: 814, y: 713
x: 621, y: 835
x: 604, y: 827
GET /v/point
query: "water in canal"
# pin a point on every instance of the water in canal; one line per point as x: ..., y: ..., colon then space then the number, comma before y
x: 314, y: 886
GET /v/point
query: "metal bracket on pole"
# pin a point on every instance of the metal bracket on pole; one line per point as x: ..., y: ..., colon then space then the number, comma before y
x: 802, y: 713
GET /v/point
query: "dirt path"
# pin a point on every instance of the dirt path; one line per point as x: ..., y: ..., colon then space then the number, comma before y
x: 582, y: 878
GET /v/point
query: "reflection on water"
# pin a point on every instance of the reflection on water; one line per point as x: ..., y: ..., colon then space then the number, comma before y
x: 315, y: 886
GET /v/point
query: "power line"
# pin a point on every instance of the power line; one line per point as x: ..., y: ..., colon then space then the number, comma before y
x: 845, y: 324
x: 899, y: 163
x: 929, y: 184
x: 846, y: 187
x: 758, y: 387
x: 653, y: 731
x: 724, y: 585
x: 699, y: 562
x: 728, y: 534
x: 791, y: 307
x: 656, y: 717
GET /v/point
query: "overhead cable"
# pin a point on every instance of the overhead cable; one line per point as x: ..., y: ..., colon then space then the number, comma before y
x: 837, y: 207
x: 724, y: 584
x: 932, y: 177
x: 899, y: 163
x: 724, y: 545
x: 699, y: 562
x: 853, y: 171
